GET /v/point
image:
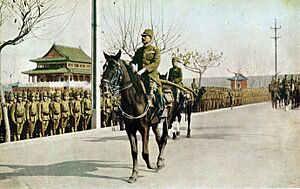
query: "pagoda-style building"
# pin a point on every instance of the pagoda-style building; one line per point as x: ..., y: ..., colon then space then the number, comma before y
x: 61, y: 63
x: 238, y: 81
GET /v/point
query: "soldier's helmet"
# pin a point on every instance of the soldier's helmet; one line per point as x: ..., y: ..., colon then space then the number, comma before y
x: 87, y: 92
x: 148, y: 32
x: 65, y: 94
x: 77, y: 93
x: 24, y: 94
x: 174, y: 59
x: 11, y: 96
x: 57, y: 95
x: 45, y: 94
x: 19, y: 95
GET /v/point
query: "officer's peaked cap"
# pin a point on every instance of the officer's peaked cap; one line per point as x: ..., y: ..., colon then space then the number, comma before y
x: 148, y: 32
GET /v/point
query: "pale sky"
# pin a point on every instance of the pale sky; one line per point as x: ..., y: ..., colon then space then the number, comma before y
x: 240, y: 29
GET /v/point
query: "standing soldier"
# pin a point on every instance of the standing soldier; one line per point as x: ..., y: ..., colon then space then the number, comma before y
x: 75, y: 111
x: 65, y: 112
x: 107, y: 107
x: 55, y: 113
x: 86, y: 106
x: 194, y: 85
x: 44, y: 114
x: 18, y: 115
x: 231, y: 94
x: 32, y: 114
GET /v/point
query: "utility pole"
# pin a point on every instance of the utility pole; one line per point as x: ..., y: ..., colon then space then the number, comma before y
x: 95, y: 90
x: 275, y: 28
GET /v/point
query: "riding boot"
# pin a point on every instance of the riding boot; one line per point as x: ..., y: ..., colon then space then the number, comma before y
x: 162, y: 111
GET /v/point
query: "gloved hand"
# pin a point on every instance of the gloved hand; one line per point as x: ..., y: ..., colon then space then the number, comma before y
x: 141, y: 71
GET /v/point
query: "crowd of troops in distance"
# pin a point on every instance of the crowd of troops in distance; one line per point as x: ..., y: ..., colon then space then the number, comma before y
x: 32, y: 113
x: 207, y: 98
x: 219, y: 97
x: 285, y: 92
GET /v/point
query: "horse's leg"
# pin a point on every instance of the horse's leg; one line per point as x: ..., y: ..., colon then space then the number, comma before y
x: 134, y: 152
x: 158, y: 138
x: 145, y: 138
x: 188, y: 135
x: 163, y: 142
x: 179, y: 123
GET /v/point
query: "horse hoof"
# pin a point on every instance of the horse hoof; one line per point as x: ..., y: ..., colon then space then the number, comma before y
x: 174, y: 136
x: 188, y: 136
x: 159, y: 167
x: 131, y: 179
x: 178, y: 133
x: 151, y: 166
x: 160, y: 163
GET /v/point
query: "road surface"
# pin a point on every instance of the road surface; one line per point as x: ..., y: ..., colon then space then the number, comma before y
x: 249, y: 146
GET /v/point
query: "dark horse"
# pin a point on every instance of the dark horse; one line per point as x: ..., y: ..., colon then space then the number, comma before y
x: 185, y: 105
x: 119, y: 78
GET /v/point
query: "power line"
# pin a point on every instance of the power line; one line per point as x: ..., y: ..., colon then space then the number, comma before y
x: 275, y: 38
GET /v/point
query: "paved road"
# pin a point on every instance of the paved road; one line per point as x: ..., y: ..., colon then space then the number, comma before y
x: 249, y: 146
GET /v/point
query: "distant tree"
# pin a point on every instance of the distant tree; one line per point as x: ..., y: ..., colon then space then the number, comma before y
x: 125, y: 20
x: 199, y: 62
x: 19, y: 20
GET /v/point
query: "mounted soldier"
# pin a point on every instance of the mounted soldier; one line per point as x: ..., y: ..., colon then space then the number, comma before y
x: 175, y: 76
x: 147, y: 59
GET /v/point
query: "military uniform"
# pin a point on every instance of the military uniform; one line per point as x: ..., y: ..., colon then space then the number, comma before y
x: 55, y: 113
x: 194, y: 86
x: 44, y: 114
x: 65, y: 112
x: 175, y: 76
x: 18, y: 115
x: 148, y: 57
x: 86, y: 109
x: 75, y: 111
x: 32, y: 114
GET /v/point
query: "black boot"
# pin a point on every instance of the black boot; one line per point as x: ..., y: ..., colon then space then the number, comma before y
x: 162, y: 111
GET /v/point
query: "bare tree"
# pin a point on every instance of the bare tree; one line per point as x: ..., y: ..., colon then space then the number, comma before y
x: 125, y: 20
x: 20, y: 19
x: 199, y: 62
x: 256, y: 68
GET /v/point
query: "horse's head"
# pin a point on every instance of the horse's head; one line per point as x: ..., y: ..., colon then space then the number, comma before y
x: 112, y: 73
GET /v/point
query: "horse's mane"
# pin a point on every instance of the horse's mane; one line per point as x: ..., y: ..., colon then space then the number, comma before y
x: 135, y: 80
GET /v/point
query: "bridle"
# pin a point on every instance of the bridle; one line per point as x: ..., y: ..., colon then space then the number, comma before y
x: 114, y: 83
x: 114, y: 86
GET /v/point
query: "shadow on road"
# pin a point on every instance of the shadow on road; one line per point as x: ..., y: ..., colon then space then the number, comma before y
x: 80, y: 168
x: 106, y: 139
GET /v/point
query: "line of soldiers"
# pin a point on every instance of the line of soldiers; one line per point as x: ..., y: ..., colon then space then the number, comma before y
x: 218, y: 97
x: 110, y: 112
x: 285, y: 91
x: 38, y: 114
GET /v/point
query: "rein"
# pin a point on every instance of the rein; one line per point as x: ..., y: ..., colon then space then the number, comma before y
x: 116, y: 89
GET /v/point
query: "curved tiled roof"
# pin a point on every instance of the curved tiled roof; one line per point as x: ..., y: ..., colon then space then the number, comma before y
x: 67, y: 54
x: 238, y: 77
